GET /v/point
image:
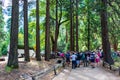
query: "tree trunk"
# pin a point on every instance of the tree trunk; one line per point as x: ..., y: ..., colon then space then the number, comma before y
x: 88, y: 26
x: 71, y: 26
x: 26, y: 42
x: 13, y: 54
x: 53, y: 42
x: 88, y: 37
x: 115, y: 44
x: 57, y: 28
x: 38, y: 57
x: 105, y: 39
x: 77, y: 49
x: 47, y: 35
x: 66, y: 36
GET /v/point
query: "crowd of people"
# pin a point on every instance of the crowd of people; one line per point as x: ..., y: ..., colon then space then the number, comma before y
x: 86, y: 58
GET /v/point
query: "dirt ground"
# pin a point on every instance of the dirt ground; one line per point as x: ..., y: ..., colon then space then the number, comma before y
x: 28, y: 69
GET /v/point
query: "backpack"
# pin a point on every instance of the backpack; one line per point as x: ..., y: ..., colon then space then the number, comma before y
x: 82, y: 56
x: 67, y: 55
x: 78, y: 56
x: 92, y: 56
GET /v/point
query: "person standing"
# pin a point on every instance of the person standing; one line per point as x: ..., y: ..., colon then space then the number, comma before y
x: 73, y: 57
x: 78, y: 59
x: 92, y: 59
x: 67, y: 56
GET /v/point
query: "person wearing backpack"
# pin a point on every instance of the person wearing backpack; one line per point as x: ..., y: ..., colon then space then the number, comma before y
x: 86, y: 59
x: 67, y: 56
x: 78, y: 59
x: 92, y: 59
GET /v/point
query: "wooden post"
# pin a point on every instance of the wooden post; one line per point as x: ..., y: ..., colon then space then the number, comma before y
x: 55, y: 73
x: 119, y: 71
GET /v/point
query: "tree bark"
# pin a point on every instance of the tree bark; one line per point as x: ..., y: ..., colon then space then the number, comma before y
x: 57, y: 28
x: 26, y: 42
x: 71, y: 26
x: 47, y: 32
x: 105, y: 38
x: 88, y: 26
x: 77, y: 49
x: 13, y: 54
x: 38, y: 56
x: 115, y: 43
x: 88, y: 37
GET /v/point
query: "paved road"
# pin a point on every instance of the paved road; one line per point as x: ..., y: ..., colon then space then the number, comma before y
x: 86, y: 73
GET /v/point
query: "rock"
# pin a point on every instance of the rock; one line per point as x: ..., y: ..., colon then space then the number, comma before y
x: 25, y: 77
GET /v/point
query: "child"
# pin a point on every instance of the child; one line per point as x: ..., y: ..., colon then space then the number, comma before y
x: 97, y: 59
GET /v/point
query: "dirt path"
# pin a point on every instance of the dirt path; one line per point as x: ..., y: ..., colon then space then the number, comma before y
x: 63, y: 75
x: 88, y: 73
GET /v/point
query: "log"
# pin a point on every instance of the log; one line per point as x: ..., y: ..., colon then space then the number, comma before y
x: 2, y: 59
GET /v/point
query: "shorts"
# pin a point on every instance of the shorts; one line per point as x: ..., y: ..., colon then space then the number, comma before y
x: 92, y: 60
x: 78, y: 62
x: 67, y: 60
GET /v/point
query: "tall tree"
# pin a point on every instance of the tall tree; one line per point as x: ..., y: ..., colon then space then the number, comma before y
x: 13, y: 54
x: 57, y: 27
x: 38, y: 57
x: 105, y: 38
x: 59, y: 21
x: 88, y: 25
x: 26, y: 42
x: 71, y: 26
x: 47, y: 31
x: 77, y: 49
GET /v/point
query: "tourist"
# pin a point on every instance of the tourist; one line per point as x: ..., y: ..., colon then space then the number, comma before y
x: 67, y: 56
x: 92, y: 59
x: 78, y: 59
x: 73, y: 57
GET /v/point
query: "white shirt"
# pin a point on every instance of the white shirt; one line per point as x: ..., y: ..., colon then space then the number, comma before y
x: 73, y: 57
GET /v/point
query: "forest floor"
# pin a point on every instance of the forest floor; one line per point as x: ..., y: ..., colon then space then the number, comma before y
x: 28, y: 69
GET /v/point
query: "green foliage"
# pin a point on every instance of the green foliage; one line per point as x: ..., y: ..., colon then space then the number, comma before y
x: 85, y: 6
x: 117, y: 64
x: 4, y: 49
x: 8, y: 69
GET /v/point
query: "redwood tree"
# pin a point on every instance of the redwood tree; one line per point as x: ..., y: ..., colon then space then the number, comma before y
x: 38, y: 57
x: 26, y: 42
x: 77, y: 49
x: 56, y: 30
x: 88, y: 26
x: 71, y: 26
x: 105, y: 38
x: 47, y: 31
x: 13, y: 54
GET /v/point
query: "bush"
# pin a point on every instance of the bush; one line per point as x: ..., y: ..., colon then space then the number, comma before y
x: 117, y: 64
x: 4, y: 49
x: 117, y: 59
